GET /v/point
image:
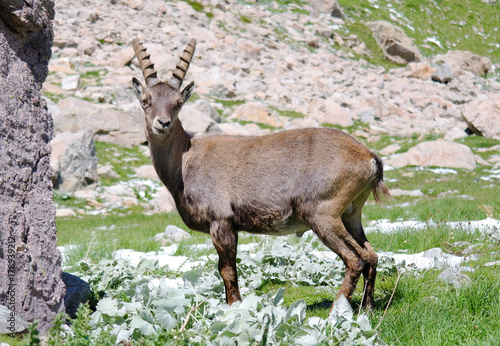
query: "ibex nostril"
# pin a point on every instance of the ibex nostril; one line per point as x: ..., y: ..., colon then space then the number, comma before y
x: 164, y: 123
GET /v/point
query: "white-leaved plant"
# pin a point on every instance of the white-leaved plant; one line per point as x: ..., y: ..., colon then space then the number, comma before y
x: 138, y: 306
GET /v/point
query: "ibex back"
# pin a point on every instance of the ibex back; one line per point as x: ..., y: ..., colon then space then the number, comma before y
x: 283, y: 183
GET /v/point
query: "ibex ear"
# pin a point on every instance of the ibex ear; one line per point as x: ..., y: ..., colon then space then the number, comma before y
x: 138, y: 88
x: 186, y: 92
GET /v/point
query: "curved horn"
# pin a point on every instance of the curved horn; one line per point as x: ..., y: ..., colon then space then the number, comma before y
x: 183, y: 65
x: 147, y: 67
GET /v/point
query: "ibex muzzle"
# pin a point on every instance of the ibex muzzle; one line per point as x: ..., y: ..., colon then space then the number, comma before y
x: 282, y: 183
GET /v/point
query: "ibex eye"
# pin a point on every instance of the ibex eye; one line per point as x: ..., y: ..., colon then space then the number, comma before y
x: 180, y: 103
x: 145, y: 102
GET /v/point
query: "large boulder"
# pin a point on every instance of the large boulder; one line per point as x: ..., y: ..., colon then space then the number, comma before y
x: 258, y: 113
x: 73, y: 161
x: 462, y: 60
x: 30, y: 263
x: 106, y: 123
x: 395, y: 44
x: 163, y: 202
x: 199, y: 117
x: 77, y: 292
x: 435, y: 154
x: 328, y: 111
x: 482, y: 116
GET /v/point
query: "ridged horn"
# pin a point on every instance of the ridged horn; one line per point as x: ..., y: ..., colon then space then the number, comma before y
x: 147, y: 67
x: 183, y: 65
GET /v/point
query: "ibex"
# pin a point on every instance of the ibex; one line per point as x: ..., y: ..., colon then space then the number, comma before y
x: 282, y: 183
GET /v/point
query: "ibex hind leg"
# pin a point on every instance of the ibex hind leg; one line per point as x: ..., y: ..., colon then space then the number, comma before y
x: 332, y: 232
x: 352, y: 222
x: 225, y: 241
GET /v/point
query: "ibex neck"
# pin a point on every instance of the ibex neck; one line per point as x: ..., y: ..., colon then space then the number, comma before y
x: 166, y: 154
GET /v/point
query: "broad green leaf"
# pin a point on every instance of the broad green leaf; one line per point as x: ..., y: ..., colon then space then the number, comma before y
x: 218, y: 326
x: 278, y: 297
x: 297, y: 311
x: 109, y: 306
x: 342, y: 308
x: 145, y: 327
x: 165, y: 319
x: 191, y: 276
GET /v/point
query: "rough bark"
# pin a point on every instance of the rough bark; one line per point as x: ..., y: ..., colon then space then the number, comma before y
x: 30, y: 264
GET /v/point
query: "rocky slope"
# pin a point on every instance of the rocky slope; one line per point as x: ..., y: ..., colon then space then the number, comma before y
x: 272, y: 64
x: 258, y: 68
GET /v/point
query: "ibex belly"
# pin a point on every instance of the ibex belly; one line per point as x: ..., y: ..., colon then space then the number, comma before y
x: 274, y: 226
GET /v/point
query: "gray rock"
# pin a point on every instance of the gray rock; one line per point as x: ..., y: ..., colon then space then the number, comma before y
x: 73, y: 161
x: 258, y: 113
x: 337, y: 10
x: 172, y: 233
x: 71, y: 82
x: 300, y: 123
x: 108, y: 124
x: 242, y: 130
x: 434, y: 253
x: 473, y: 248
x: 77, y: 292
x: 459, y: 61
x: 107, y: 171
x: 221, y: 91
x: 443, y: 74
x: 163, y: 202
x: 27, y: 210
x: 330, y: 112
x: 491, y: 264
x: 63, y: 212
x: 367, y: 116
x: 437, y: 154
x: 452, y: 276
x: 206, y: 108
x: 390, y: 149
x: 198, y: 121
x: 10, y: 322
x: 397, y: 46
x: 482, y: 116
x: 147, y: 172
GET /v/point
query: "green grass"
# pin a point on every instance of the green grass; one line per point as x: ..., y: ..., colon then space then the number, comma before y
x: 470, y: 25
x: 414, y: 241
x: 426, y: 311
x: 116, y: 155
x: 98, y: 236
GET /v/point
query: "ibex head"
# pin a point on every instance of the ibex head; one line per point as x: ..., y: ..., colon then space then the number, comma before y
x: 162, y: 101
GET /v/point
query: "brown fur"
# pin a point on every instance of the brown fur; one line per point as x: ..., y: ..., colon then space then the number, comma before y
x: 282, y: 183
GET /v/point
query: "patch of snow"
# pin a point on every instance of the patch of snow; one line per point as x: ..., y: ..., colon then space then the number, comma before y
x: 487, y: 225
x: 165, y: 282
x: 164, y: 259
x: 434, y: 39
x: 438, y: 170
x: 426, y: 259
x: 433, y: 258
x: 386, y: 226
x: 491, y: 177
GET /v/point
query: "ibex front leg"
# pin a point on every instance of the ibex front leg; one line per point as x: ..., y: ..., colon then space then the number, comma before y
x: 225, y: 240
